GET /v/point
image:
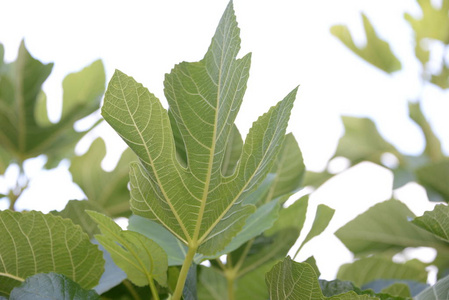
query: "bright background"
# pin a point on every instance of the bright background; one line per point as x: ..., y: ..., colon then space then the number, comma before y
x: 291, y: 45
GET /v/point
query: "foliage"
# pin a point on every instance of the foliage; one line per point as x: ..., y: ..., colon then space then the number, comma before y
x: 207, y: 210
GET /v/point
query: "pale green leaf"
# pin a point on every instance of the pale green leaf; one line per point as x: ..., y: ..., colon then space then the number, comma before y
x: 323, y: 216
x: 398, y: 290
x: 383, y: 227
x: 252, y: 285
x: 106, y: 190
x: 316, y: 179
x: 141, y: 258
x: 33, y: 243
x: 368, y: 269
x: 21, y: 134
x: 233, y: 151
x: 193, y: 199
x: 433, y: 144
x: 435, y: 178
x: 76, y: 211
x: 211, y: 284
x: 442, y: 78
x: 435, y: 221
x: 51, y: 286
x: 362, y: 141
x: 376, y: 51
x: 289, y: 280
x: 289, y: 169
x: 438, y: 291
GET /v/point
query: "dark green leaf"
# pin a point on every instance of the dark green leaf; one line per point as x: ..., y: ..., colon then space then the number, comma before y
x: 51, y: 286
x: 376, y: 51
x: 33, y: 242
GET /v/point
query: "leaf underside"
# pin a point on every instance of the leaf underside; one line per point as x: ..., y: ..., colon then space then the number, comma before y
x: 184, y: 179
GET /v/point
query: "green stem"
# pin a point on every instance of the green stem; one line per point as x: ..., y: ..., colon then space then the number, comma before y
x: 183, y: 274
x: 131, y: 289
x: 153, y: 288
x: 230, y: 279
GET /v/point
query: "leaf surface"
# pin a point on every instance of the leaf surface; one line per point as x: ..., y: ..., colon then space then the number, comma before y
x: 51, y: 286
x: 107, y: 190
x: 376, y: 51
x: 385, y: 226
x: 33, y: 242
x: 434, y: 177
x: 440, y: 290
x: 435, y: 221
x: 24, y: 128
x: 141, y: 258
x: 194, y: 200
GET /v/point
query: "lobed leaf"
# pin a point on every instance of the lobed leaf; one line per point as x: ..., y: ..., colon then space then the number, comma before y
x: 180, y: 181
x: 376, y: 51
x: 24, y: 128
x: 33, y: 242
x: 106, y: 190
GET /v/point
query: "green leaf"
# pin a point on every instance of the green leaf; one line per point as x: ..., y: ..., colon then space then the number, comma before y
x: 297, y: 281
x: 312, y: 262
x: 383, y: 227
x: 433, y: 144
x: 323, y: 216
x: 439, y: 290
x: 51, y: 286
x: 141, y: 258
x: 398, y: 290
x: 362, y: 142
x: 434, y: 177
x: 211, y: 284
x: 195, y: 201
x: 23, y: 131
x: 435, y: 221
x: 441, y: 79
x: 33, y: 242
x: 76, y: 211
x: 376, y: 51
x: 433, y: 24
x: 107, y: 190
x: 316, y: 179
x: 368, y: 269
x: 289, y: 169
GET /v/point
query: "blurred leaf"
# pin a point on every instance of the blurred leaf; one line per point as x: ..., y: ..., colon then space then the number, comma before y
x: 323, y: 216
x: 383, y: 227
x: 362, y: 142
x: 252, y: 284
x: 211, y: 284
x: 33, y: 242
x: 141, y: 258
x: 24, y: 133
x: 398, y: 290
x: 190, y: 287
x: 289, y: 169
x: 439, y: 290
x: 316, y: 179
x: 76, y: 211
x: 442, y: 78
x: 434, y: 22
x: 435, y: 178
x: 435, y: 221
x: 376, y: 51
x: 51, y: 286
x: 297, y: 281
x: 379, y: 285
x: 368, y: 269
x: 433, y: 144
x: 107, y: 190
x: 292, y: 216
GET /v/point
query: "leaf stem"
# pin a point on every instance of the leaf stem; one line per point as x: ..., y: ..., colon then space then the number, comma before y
x: 153, y: 288
x: 131, y: 289
x: 183, y: 274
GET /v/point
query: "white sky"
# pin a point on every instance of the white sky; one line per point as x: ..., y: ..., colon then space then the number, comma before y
x: 291, y: 45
